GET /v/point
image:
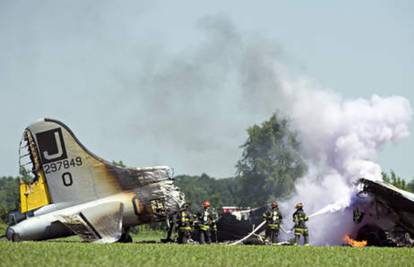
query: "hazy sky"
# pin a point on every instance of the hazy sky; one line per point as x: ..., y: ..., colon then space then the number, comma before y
x: 149, y: 82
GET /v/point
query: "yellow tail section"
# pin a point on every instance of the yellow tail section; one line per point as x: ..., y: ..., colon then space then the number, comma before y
x: 33, y: 195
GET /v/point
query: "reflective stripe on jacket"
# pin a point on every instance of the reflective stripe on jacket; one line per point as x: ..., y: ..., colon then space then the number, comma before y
x: 206, y: 219
x: 299, y: 218
x: 273, y: 217
x: 184, y: 220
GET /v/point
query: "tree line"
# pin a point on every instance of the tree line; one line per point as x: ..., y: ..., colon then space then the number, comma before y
x: 9, y: 195
x: 398, y: 182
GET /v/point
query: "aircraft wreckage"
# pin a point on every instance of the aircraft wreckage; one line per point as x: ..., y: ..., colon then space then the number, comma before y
x: 67, y: 190
x: 383, y: 215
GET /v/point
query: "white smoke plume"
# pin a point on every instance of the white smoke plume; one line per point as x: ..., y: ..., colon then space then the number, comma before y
x: 341, y: 140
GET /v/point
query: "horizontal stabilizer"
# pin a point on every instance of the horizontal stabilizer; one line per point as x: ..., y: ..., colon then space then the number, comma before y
x: 101, y: 223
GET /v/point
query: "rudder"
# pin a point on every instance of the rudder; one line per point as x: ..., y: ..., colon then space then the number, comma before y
x: 72, y: 173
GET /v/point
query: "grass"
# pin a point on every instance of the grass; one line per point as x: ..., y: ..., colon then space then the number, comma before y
x: 145, y: 236
x: 3, y: 227
x: 74, y: 253
x: 71, y: 252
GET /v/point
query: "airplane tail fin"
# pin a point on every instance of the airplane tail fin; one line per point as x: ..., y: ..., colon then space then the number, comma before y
x: 56, y: 167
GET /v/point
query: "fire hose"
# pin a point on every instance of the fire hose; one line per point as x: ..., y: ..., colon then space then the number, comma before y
x: 249, y: 235
x: 254, y: 232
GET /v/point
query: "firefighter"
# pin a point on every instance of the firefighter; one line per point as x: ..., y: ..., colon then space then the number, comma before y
x: 358, y: 215
x: 300, y: 229
x: 171, y: 222
x: 184, y: 221
x: 213, y: 228
x: 206, y: 223
x: 273, y: 219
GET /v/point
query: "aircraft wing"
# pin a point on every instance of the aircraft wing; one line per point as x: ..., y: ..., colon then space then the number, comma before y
x: 396, y: 198
x: 101, y: 223
x: 390, y: 220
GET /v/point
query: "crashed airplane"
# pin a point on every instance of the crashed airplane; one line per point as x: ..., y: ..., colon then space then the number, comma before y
x: 383, y: 215
x: 68, y: 190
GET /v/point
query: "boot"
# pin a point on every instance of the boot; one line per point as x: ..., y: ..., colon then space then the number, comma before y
x: 306, y: 240
x: 297, y: 237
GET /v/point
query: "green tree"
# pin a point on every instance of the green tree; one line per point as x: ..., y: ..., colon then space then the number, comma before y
x: 119, y: 163
x: 220, y: 192
x: 3, y: 213
x: 410, y: 186
x: 9, y: 195
x: 270, y: 163
x: 397, y: 181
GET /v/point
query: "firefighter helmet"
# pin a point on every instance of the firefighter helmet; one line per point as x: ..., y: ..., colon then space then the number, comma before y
x: 206, y: 204
x: 299, y: 205
x: 185, y: 206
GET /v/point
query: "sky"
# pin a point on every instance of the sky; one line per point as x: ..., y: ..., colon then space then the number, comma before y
x: 154, y: 82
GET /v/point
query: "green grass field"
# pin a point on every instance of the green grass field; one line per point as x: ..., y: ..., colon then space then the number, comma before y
x: 71, y: 252
x: 74, y: 253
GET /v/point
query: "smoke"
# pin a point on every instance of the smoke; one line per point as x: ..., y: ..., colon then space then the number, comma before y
x: 201, y: 101
x: 341, y: 140
x: 233, y: 80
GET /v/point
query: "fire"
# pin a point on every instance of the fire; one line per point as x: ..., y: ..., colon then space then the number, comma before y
x: 353, y: 243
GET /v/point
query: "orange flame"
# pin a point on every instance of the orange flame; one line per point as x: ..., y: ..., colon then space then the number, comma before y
x: 353, y: 243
